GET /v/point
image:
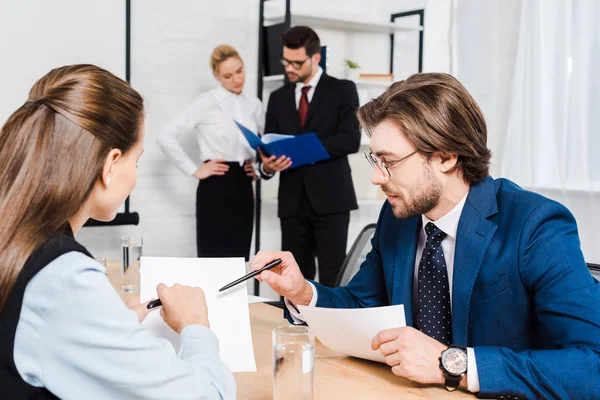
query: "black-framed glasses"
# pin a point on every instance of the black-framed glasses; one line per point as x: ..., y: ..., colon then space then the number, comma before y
x: 294, y: 64
x: 384, y: 166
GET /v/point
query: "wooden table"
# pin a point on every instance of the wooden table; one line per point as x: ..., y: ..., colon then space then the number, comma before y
x: 336, y: 376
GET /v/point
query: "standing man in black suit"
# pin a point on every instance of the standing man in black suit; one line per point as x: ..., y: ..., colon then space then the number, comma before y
x: 314, y: 201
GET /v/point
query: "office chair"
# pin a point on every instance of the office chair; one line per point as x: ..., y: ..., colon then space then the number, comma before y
x: 358, y: 253
x: 356, y: 256
x: 594, y: 270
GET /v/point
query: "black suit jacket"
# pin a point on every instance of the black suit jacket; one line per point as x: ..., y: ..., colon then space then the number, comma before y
x: 332, y: 116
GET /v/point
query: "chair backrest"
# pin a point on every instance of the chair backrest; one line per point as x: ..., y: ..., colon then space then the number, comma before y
x: 358, y: 253
x: 594, y: 270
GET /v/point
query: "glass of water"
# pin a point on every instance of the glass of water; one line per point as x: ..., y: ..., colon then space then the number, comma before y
x: 130, y: 266
x: 293, y: 362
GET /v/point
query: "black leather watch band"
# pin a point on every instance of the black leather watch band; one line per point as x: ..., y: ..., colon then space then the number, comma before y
x: 452, y: 381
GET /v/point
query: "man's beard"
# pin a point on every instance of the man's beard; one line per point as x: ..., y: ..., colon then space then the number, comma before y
x: 423, y: 197
x: 302, y: 78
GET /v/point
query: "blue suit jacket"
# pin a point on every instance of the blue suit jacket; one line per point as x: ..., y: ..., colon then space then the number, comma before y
x: 522, y: 294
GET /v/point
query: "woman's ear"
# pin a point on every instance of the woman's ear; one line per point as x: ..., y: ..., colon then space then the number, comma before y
x: 109, y: 165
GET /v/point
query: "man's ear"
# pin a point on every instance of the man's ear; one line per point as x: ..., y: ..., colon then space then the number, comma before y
x: 447, y: 161
x: 316, y: 58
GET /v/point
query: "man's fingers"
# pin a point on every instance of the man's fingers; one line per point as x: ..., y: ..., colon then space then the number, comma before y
x: 387, y: 348
x: 384, y: 336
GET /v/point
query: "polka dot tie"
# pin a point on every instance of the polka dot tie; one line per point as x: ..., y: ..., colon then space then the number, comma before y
x: 434, y: 293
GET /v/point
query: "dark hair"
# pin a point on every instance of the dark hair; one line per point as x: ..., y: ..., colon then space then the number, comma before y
x: 52, y: 151
x: 302, y: 36
x: 436, y: 113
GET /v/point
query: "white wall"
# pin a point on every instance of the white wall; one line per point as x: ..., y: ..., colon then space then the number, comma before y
x: 171, y: 43
x: 37, y: 36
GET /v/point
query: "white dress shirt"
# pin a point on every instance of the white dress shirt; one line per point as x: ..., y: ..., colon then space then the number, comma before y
x: 211, y: 120
x: 449, y: 225
x: 311, y: 92
x: 76, y: 337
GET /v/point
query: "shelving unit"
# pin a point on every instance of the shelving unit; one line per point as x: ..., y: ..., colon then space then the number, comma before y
x: 359, y: 82
x: 341, y: 24
x: 275, y: 16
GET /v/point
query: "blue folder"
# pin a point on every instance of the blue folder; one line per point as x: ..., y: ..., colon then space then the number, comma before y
x: 302, y: 149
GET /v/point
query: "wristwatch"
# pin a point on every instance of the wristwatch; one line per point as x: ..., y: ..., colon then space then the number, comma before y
x: 453, y: 361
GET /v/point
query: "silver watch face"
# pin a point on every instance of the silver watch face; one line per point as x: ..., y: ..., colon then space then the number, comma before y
x: 455, y: 361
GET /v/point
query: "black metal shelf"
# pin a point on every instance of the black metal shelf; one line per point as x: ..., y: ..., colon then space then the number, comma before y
x: 127, y: 217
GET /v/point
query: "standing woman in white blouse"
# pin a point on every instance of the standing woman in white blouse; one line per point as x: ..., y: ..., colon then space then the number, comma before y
x: 224, y: 199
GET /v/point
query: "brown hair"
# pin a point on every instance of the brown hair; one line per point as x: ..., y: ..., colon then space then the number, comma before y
x: 302, y: 36
x: 436, y: 113
x: 52, y: 151
x: 220, y: 54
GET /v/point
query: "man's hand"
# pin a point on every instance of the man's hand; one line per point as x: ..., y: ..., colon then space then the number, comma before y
x: 286, y: 279
x: 273, y: 164
x: 411, y: 354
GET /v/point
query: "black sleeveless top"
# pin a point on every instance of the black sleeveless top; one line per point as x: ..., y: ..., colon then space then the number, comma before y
x: 12, y: 386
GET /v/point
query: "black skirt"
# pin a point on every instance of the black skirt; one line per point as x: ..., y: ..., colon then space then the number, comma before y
x: 224, y: 214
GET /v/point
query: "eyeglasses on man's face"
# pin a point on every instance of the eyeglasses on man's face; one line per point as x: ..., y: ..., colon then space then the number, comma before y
x: 294, y: 64
x: 385, y: 166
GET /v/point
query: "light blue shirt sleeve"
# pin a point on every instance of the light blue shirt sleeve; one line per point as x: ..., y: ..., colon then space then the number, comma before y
x: 77, y: 338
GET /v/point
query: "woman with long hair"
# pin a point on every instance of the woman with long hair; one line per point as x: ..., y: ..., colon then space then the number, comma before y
x: 69, y: 154
x: 224, y: 198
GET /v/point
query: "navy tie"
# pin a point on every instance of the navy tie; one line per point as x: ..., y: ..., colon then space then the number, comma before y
x: 434, y: 291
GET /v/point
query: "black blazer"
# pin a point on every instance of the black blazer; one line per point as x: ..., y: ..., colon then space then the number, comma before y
x: 332, y: 116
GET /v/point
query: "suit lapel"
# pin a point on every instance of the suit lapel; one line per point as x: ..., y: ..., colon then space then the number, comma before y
x: 404, y: 265
x: 320, y: 91
x: 473, y: 236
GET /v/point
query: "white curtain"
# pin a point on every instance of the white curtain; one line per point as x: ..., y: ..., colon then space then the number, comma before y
x: 534, y: 67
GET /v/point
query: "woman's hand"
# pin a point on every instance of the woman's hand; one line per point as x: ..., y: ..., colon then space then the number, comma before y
x: 249, y: 168
x: 141, y: 309
x: 210, y: 168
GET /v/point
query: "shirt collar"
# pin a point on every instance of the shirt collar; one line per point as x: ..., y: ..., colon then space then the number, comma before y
x: 225, y: 94
x: 313, y: 82
x: 449, y: 222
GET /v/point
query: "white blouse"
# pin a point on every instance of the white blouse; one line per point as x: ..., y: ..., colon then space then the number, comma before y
x: 211, y: 119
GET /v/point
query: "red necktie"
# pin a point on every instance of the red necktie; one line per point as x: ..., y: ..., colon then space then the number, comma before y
x: 303, y: 105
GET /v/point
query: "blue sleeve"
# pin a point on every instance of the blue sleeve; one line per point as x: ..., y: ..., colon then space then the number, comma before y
x: 567, y: 305
x: 77, y: 338
x: 367, y: 288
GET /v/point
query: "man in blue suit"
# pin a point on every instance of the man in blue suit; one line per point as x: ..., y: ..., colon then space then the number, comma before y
x: 497, y: 295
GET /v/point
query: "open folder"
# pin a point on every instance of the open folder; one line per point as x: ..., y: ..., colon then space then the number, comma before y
x: 301, y: 149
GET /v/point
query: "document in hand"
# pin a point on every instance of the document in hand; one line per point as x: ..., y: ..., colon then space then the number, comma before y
x: 301, y: 149
x: 351, y: 330
x: 227, y: 311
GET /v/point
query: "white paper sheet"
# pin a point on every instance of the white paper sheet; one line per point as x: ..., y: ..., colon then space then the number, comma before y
x: 227, y: 311
x: 351, y: 330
